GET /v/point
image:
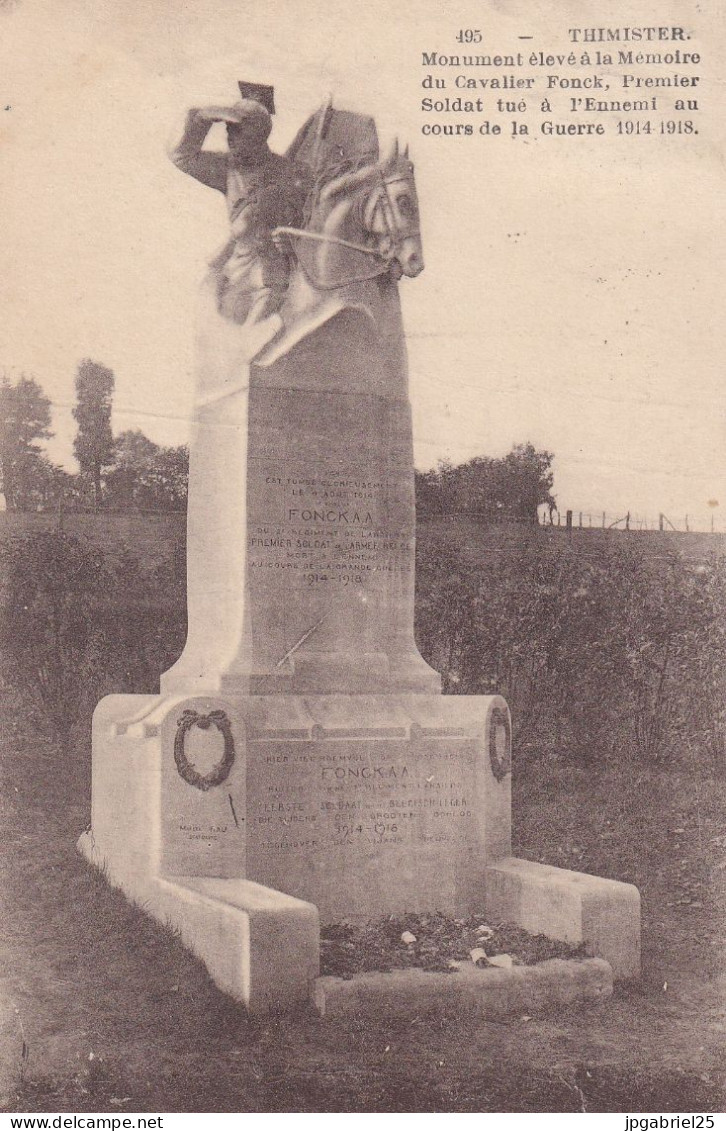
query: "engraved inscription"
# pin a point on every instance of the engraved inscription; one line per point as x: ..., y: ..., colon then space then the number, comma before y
x: 340, y: 797
x: 199, y: 832
x: 339, y: 532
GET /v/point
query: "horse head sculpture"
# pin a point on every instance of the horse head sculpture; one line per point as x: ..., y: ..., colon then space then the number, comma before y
x: 391, y: 215
x: 362, y: 223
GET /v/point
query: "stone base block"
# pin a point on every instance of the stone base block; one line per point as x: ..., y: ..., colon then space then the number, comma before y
x: 206, y: 808
x: 488, y: 993
x: 373, y: 805
x: 260, y: 946
x: 362, y: 805
x: 572, y: 906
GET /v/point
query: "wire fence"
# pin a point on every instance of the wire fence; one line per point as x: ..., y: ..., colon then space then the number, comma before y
x: 631, y: 520
x: 582, y: 520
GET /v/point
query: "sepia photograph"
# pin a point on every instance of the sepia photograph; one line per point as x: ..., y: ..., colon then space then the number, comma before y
x: 362, y: 560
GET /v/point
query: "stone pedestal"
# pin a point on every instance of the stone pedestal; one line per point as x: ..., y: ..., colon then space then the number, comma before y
x: 301, y: 522
x: 246, y: 821
x: 360, y: 806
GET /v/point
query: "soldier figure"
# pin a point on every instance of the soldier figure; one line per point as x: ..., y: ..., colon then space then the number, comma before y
x: 263, y: 191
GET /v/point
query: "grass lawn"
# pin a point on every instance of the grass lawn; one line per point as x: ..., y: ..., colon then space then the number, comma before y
x: 116, y: 1015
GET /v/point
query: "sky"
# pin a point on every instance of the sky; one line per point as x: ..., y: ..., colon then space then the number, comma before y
x: 571, y: 293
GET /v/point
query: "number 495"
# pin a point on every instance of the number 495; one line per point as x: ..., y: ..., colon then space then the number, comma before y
x: 469, y: 35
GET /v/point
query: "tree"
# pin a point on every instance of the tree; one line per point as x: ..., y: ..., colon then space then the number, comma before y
x: 527, y: 481
x: 24, y: 419
x: 134, y: 453
x: 147, y: 476
x: 511, y: 488
x: 94, y: 446
x: 173, y: 477
x: 47, y: 484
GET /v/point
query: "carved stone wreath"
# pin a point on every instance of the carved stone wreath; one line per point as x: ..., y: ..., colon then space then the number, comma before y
x: 501, y: 764
x: 186, y: 770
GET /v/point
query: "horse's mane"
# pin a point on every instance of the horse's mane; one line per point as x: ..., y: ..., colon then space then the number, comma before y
x: 331, y: 144
x: 328, y: 173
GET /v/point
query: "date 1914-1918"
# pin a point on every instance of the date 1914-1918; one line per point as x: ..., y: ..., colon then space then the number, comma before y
x: 628, y: 127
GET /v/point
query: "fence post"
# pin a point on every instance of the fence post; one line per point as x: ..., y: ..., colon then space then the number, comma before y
x: 603, y: 520
x: 660, y: 522
x: 568, y: 521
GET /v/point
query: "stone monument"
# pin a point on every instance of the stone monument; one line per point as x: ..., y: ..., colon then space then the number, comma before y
x: 300, y: 763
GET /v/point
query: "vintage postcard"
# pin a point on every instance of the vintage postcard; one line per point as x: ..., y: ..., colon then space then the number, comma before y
x: 362, y: 479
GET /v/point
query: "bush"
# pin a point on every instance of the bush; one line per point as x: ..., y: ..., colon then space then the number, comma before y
x: 600, y: 655
x: 77, y: 626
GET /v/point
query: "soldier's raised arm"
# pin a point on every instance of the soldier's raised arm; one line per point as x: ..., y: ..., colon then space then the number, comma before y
x: 208, y: 167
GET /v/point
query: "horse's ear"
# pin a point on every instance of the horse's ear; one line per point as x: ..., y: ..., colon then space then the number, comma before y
x: 405, y: 152
x: 392, y: 156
